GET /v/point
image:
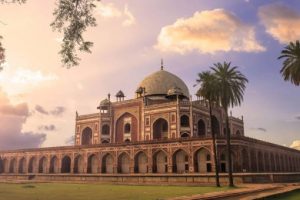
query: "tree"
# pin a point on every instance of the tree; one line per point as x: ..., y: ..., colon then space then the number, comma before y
x: 208, y: 90
x: 2, y: 54
x: 231, y: 86
x: 72, y: 17
x: 291, y: 65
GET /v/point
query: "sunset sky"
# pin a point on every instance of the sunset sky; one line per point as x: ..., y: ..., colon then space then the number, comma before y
x: 39, y: 97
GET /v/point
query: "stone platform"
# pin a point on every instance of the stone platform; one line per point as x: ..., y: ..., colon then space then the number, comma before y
x: 150, y: 179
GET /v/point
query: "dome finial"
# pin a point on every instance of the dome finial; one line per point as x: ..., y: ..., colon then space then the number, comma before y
x: 161, y: 64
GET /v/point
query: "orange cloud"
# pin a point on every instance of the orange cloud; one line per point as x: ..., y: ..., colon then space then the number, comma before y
x: 109, y: 10
x: 208, y: 32
x: 296, y: 144
x: 281, y: 22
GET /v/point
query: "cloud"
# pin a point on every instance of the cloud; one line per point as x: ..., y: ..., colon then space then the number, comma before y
x: 109, y: 10
x: 26, y: 76
x: 70, y: 141
x: 41, y: 110
x: 50, y: 127
x: 208, y: 31
x: 19, y: 109
x: 298, y: 117
x: 12, y: 119
x: 281, y: 22
x: 259, y: 129
x: 130, y: 18
x: 296, y: 144
x: 57, y: 111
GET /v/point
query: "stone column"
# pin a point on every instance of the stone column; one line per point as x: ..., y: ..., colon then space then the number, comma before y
x: 85, y: 162
x: 99, y: 163
x: 191, y: 160
x: 170, y: 164
x: 59, y: 163
x: 150, y: 161
x: 72, y: 163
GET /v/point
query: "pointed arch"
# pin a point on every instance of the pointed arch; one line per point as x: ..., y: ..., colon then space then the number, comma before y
x: 160, y: 162
x: 93, y: 164
x: 107, y: 164
x: 79, y: 164
x: 105, y: 129
x: 124, y: 163
x: 245, y: 160
x: 126, y: 128
x: 43, y: 165
x: 202, y: 160
x: 184, y: 121
x: 141, y: 162
x: 66, y: 164
x: 160, y: 128
x: 267, y: 162
x: 215, y: 125
x: 22, y: 165
x: 32, y: 167
x: 54, y: 166
x: 201, y: 128
x: 260, y: 161
x: 13, y: 165
x: 1, y: 166
x: 180, y: 161
x: 87, y: 136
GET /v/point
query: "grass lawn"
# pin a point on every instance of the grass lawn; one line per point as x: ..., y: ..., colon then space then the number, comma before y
x: 61, y: 191
x: 294, y: 195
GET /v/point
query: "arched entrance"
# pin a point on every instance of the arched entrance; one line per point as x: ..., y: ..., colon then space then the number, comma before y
x: 107, y: 164
x: 267, y: 162
x: 92, y: 164
x: 201, y: 128
x: 272, y: 160
x: 87, y: 136
x: 32, y: 167
x: 253, y: 161
x: 1, y: 166
x: 54, y: 168
x: 160, y: 162
x: 160, y: 129
x: 124, y: 163
x: 180, y: 162
x: 223, y: 163
x: 245, y: 161
x: 215, y: 125
x: 66, y: 165
x: 13, y: 165
x: 126, y: 128
x: 202, y: 161
x: 22, y: 166
x: 260, y: 162
x: 43, y: 165
x: 79, y: 164
x: 184, y: 121
x: 140, y: 163
x: 105, y: 129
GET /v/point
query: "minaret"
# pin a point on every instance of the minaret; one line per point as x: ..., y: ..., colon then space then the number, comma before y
x: 161, y: 64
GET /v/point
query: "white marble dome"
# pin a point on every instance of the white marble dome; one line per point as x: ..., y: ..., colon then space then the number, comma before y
x: 160, y: 82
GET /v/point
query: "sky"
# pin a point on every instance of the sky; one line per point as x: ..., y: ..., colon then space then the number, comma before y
x: 39, y: 97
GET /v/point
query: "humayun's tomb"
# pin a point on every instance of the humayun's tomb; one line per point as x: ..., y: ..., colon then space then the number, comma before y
x: 160, y: 136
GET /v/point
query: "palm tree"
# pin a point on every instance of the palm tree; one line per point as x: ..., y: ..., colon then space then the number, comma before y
x: 231, y: 87
x: 291, y: 65
x: 208, y: 89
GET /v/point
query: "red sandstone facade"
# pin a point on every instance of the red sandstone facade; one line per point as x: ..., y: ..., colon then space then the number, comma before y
x: 161, y: 131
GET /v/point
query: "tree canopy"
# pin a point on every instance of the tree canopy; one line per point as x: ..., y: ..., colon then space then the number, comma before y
x: 291, y: 65
x: 72, y: 18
